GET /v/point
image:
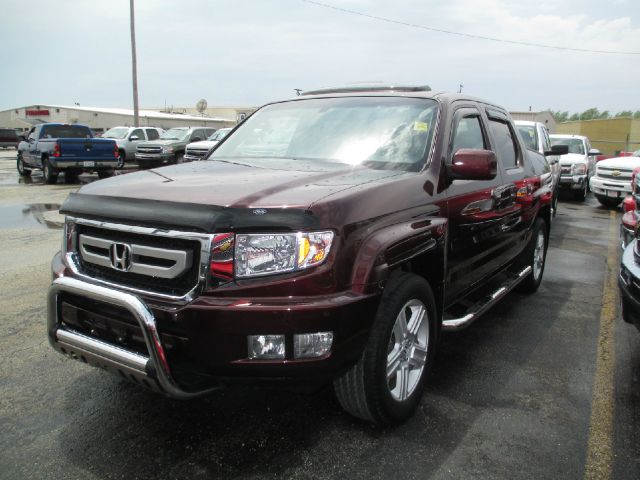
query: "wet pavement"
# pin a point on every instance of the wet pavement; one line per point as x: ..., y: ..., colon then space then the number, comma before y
x: 509, y: 397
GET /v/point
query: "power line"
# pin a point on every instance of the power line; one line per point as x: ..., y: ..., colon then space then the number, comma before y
x: 468, y: 35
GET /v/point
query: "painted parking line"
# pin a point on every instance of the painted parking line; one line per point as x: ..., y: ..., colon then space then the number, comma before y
x: 599, y: 461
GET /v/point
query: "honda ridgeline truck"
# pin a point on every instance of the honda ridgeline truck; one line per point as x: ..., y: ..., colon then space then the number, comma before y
x: 329, y: 238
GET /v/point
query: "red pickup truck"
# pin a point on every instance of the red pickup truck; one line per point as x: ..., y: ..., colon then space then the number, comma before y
x: 328, y: 238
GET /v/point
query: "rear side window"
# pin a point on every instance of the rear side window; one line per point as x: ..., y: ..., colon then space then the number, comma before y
x: 505, y: 143
x: 152, y: 134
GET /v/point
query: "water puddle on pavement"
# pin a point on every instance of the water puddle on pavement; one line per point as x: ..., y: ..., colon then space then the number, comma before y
x: 34, y: 215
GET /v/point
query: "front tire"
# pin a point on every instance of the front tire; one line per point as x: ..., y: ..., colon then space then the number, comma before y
x: 535, y: 256
x: 386, y: 384
x: 180, y: 158
x: 22, y: 171
x: 121, y: 159
x: 581, y: 194
x: 609, y: 202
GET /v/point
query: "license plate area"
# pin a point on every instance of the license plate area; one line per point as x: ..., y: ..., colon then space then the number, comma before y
x: 612, y: 194
x: 88, y: 164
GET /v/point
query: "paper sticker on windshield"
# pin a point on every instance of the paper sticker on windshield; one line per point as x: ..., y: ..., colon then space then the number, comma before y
x: 421, y: 126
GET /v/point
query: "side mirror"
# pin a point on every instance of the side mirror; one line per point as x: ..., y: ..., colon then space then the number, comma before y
x: 31, y: 140
x: 557, y: 150
x: 133, y: 138
x: 594, y: 151
x: 471, y: 164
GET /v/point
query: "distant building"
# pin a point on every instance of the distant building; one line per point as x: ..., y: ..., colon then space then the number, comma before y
x: 611, y: 135
x: 544, y: 117
x: 100, y: 119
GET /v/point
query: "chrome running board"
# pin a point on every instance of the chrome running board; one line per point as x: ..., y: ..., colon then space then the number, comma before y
x: 481, y: 306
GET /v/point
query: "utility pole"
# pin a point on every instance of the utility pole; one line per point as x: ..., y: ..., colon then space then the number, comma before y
x: 134, y: 67
x: 459, y: 86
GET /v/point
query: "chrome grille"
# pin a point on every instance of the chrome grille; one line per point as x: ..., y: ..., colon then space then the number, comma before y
x: 610, y: 173
x: 197, y: 152
x: 166, y: 264
x: 149, y: 149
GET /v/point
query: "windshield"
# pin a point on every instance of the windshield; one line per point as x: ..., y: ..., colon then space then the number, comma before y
x: 116, y: 132
x: 380, y: 132
x: 529, y: 135
x: 219, y: 135
x: 636, y: 153
x: 575, y: 144
x: 175, y: 134
x: 65, y: 131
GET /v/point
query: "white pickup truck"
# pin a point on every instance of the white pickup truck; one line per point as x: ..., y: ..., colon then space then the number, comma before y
x: 612, y: 181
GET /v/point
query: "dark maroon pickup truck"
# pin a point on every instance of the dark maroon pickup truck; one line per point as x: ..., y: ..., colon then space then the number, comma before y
x: 328, y: 238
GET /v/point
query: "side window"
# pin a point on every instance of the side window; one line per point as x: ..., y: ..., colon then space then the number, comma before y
x: 199, y: 133
x: 152, y: 134
x: 505, y: 143
x: 137, y: 133
x: 468, y: 134
x: 209, y: 131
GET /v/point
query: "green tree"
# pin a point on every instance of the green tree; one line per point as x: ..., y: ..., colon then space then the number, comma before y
x: 624, y: 113
x: 589, y: 114
x: 560, y: 116
x: 637, y: 114
x: 574, y: 117
x: 604, y: 115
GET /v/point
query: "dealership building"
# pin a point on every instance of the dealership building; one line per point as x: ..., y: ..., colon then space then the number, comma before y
x: 101, y: 119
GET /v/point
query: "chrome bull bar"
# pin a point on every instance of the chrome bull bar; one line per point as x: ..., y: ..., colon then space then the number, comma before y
x: 152, y: 370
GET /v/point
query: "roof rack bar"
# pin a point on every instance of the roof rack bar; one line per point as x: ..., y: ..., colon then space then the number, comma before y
x: 368, y: 87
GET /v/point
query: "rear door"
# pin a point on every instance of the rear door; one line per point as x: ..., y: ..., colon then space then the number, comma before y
x: 479, y: 211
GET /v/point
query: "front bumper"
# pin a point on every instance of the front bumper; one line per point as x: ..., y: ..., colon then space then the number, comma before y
x: 609, y: 188
x: 208, y: 337
x: 629, y: 286
x: 573, y: 182
x: 154, y: 159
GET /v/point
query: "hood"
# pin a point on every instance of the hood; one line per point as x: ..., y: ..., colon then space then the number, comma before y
x: 204, y: 145
x: 160, y: 143
x: 620, y: 162
x: 571, y: 158
x: 262, y: 184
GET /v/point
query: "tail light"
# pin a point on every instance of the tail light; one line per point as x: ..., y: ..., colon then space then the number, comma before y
x: 116, y: 153
x: 221, y: 264
x: 56, y: 150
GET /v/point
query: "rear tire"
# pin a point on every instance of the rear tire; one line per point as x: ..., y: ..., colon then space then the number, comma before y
x: 105, y: 174
x: 609, y: 202
x: 535, y: 256
x: 49, y: 174
x: 386, y: 384
x: 22, y: 171
x: 180, y: 158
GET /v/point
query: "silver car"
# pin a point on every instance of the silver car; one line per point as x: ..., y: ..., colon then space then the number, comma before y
x: 128, y: 139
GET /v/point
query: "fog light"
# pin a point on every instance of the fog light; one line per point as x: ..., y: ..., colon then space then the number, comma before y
x: 266, y: 347
x: 310, y: 345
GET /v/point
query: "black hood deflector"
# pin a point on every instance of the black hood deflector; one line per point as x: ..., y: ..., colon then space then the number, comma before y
x: 185, y: 216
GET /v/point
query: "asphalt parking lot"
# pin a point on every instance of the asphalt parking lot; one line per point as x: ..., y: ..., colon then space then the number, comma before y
x: 543, y: 386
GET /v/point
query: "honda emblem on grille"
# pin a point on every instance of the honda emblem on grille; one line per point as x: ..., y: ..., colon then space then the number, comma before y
x: 120, y: 256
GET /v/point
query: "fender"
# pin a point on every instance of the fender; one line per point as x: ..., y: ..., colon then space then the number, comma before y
x: 395, y: 245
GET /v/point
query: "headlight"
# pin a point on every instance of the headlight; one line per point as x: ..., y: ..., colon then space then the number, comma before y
x: 579, y: 168
x: 265, y: 254
x: 167, y: 149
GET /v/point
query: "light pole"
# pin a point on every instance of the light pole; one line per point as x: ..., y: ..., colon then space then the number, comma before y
x: 134, y: 67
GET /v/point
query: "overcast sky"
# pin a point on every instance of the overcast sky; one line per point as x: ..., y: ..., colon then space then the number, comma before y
x: 249, y: 52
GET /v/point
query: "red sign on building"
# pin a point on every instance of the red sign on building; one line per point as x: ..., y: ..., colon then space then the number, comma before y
x: 36, y: 113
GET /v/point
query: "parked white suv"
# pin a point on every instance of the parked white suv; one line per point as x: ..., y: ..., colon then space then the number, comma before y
x: 198, y: 150
x: 128, y: 139
x: 612, y: 180
x: 578, y: 166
